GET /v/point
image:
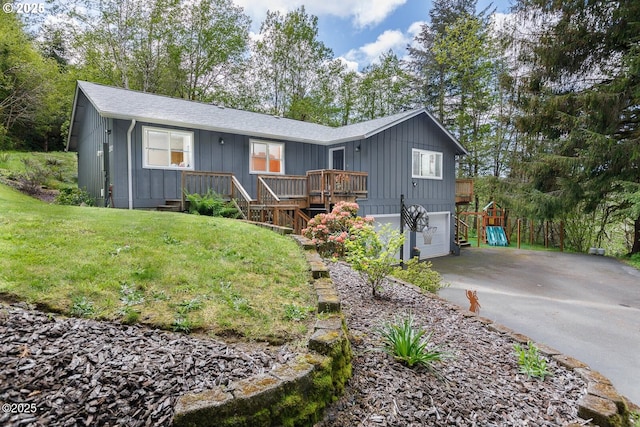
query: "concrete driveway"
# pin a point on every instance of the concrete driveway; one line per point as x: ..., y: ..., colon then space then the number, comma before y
x: 585, y: 306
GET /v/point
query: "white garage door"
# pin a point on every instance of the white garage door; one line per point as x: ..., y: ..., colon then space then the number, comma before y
x: 439, y: 245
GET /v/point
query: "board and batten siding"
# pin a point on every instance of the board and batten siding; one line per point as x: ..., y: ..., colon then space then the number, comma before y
x: 91, y: 134
x: 387, y: 158
x: 153, y: 187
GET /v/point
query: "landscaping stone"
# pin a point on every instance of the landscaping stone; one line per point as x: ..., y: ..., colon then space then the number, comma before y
x: 328, y: 301
x: 602, y: 412
x: 569, y: 362
x: 607, y: 391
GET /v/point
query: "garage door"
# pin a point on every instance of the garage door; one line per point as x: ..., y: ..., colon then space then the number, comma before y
x: 439, y: 244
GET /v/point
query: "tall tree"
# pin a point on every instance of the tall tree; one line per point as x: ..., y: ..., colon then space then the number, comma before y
x: 583, y: 102
x: 454, y: 64
x: 464, y: 48
x: 384, y: 88
x: 289, y: 62
x: 27, y: 90
x: 173, y: 47
x: 212, y: 42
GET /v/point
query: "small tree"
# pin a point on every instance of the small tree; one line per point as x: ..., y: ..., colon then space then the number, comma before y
x: 373, y: 254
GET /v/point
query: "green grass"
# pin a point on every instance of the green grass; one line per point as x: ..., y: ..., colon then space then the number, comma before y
x: 62, y: 167
x: 169, y: 270
x: 633, y: 260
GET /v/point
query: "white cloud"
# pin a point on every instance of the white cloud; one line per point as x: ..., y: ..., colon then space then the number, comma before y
x: 369, y: 53
x: 363, y: 13
x: 351, y: 65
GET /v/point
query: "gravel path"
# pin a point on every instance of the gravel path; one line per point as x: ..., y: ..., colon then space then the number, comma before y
x: 482, y: 385
x: 79, y: 372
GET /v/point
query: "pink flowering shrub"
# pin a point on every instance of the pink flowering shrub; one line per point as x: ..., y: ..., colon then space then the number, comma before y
x: 330, y: 231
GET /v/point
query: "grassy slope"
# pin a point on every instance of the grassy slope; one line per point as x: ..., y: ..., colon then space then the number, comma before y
x: 216, y: 274
x: 62, y: 167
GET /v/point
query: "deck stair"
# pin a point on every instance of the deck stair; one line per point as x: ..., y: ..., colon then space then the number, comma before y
x: 171, y: 205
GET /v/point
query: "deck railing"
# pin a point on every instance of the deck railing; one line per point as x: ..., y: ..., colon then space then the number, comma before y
x: 287, y: 186
x: 330, y: 184
x: 241, y: 198
x: 462, y: 230
x: 279, y: 198
x: 464, y: 191
x: 223, y: 183
x: 266, y: 196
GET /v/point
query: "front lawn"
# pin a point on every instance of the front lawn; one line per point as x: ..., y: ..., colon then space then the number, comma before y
x: 175, y: 271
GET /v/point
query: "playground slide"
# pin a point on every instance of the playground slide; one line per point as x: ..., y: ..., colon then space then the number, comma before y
x: 496, y: 236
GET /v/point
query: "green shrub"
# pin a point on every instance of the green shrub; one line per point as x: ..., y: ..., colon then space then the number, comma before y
x: 34, y: 176
x: 420, y: 274
x: 531, y: 362
x: 4, y: 157
x: 182, y: 324
x: 410, y: 345
x: 373, y: 254
x: 331, y: 231
x: 74, y: 197
x: 211, y: 204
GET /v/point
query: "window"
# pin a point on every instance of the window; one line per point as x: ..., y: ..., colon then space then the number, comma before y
x: 267, y: 157
x: 426, y: 164
x: 167, y: 149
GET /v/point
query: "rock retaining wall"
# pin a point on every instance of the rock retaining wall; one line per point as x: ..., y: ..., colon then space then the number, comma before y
x: 294, y: 394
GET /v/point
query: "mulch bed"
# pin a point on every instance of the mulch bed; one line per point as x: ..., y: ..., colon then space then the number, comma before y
x: 481, y: 385
x: 80, y: 372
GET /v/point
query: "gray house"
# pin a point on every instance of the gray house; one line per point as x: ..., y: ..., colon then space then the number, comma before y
x: 140, y: 150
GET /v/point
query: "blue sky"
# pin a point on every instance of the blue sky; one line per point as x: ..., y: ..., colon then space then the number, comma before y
x: 360, y: 30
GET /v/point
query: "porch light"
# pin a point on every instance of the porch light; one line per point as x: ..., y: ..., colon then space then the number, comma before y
x: 221, y: 141
x: 357, y: 147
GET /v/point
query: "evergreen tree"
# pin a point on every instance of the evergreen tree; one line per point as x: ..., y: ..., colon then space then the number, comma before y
x: 582, y: 103
x: 455, y: 68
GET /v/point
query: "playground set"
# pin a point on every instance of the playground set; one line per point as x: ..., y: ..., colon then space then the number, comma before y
x: 492, y: 229
x: 495, y: 229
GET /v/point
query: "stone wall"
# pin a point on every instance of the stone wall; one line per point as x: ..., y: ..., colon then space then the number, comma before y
x: 294, y: 394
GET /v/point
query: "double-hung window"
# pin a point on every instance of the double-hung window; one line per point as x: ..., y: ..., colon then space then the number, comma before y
x: 426, y: 164
x: 167, y: 148
x: 266, y: 157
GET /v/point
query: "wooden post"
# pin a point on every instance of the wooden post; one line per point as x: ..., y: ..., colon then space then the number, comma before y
x: 546, y: 234
x: 479, y: 232
x: 519, y: 222
x: 561, y: 236
x: 531, y: 232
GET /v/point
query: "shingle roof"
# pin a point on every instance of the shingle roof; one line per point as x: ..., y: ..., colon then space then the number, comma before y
x: 118, y: 103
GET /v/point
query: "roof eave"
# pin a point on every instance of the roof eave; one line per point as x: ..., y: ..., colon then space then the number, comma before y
x: 73, y: 116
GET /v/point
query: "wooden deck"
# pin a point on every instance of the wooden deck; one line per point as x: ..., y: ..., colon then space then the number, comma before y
x: 464, y: 191
x: 284, y: 200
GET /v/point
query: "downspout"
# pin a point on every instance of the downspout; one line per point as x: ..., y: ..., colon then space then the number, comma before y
x: 130, y: 162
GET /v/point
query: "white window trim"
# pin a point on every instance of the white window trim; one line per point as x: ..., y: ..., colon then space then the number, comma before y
x: 145, y: 159
x: 344, y: 157
x: 440, y: 156
x: 268, y: 143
